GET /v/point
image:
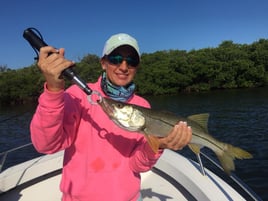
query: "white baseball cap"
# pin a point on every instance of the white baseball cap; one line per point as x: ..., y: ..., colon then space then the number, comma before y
x: 118, y: 40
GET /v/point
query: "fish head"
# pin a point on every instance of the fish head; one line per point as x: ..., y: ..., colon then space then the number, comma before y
x: 124, y: 115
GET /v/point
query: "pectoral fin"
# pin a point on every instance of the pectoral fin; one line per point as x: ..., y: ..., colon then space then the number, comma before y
x: 195, y: 148
x: 153, y: 142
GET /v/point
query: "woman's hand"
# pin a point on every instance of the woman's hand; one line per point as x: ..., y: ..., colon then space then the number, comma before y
x: 52, y: 62
x: 179, y: 137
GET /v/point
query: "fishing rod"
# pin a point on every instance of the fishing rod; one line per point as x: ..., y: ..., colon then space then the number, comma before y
x: 30, y: 34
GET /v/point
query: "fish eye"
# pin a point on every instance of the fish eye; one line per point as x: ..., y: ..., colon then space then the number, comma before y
x: 119, y: 105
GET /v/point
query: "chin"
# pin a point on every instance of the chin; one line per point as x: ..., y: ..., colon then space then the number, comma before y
x: 122, y: 84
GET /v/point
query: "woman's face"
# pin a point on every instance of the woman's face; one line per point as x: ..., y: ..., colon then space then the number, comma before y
x: 121, y: 72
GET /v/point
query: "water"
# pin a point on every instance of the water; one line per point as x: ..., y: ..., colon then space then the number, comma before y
x: 14, y: 132
x: 238, y: 117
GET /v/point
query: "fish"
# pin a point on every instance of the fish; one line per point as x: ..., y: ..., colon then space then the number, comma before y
x: 154, y: 124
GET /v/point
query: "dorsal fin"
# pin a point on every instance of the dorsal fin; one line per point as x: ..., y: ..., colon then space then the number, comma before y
x: 201, y: 119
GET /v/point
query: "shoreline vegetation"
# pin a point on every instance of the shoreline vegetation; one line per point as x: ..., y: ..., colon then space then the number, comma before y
x: 228, y: 66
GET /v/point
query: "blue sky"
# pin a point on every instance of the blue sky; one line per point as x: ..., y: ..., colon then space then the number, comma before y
x: 82, y: 27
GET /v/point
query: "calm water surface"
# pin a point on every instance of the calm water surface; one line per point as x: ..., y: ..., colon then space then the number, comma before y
x: 238, y: 117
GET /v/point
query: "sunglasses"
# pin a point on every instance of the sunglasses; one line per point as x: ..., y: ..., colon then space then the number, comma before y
x: 118, y: 59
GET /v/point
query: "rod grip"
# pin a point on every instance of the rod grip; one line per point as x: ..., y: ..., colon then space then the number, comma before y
x: 33, y: 39
x: 36, y: 42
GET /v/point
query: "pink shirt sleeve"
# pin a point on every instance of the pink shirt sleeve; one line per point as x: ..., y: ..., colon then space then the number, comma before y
x: 51, y: 129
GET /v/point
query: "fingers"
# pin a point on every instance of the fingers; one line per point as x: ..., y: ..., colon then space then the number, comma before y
x: 184, y: 133
x: 46, y: 51
x: 52, y: 62
x: 179, y: 137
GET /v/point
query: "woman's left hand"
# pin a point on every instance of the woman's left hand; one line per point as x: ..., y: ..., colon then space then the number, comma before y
x: 179, y: 137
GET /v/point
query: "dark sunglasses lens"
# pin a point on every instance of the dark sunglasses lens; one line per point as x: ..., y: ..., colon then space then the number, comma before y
x: 115, y: 59
x: 132, y: 62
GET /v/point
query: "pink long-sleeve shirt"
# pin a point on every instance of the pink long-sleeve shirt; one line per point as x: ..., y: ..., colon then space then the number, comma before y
x: 101, y: 161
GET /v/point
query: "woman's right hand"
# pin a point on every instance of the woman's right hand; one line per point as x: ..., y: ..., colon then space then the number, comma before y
x: 52, y: 62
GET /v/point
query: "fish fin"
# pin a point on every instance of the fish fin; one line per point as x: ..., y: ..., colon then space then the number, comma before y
x: 230, y: 153
x: 227, y: 162
x: 153, y: 142
x: 195, y: 148
x: 201, y: 119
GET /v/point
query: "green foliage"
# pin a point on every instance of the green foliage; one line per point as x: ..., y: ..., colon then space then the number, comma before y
x: 162, y: 72
x: 228, y: 66
x: 19, y: 86
x: 89, y: 68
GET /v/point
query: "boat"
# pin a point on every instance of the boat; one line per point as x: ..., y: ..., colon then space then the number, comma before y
x: 174, y: 177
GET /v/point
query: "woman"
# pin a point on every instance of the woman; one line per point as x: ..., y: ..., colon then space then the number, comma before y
x: 101, y: 161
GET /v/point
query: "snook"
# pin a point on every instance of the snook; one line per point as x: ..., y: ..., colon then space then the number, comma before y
x: 154, y: 124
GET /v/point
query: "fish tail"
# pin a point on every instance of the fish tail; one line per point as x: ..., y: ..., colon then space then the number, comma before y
x: 228, y: 155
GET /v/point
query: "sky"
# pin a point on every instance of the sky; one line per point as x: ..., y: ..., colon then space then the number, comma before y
x: 83, y: 26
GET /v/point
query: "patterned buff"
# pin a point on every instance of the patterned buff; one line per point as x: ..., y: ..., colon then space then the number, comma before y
x: 117, y: 93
